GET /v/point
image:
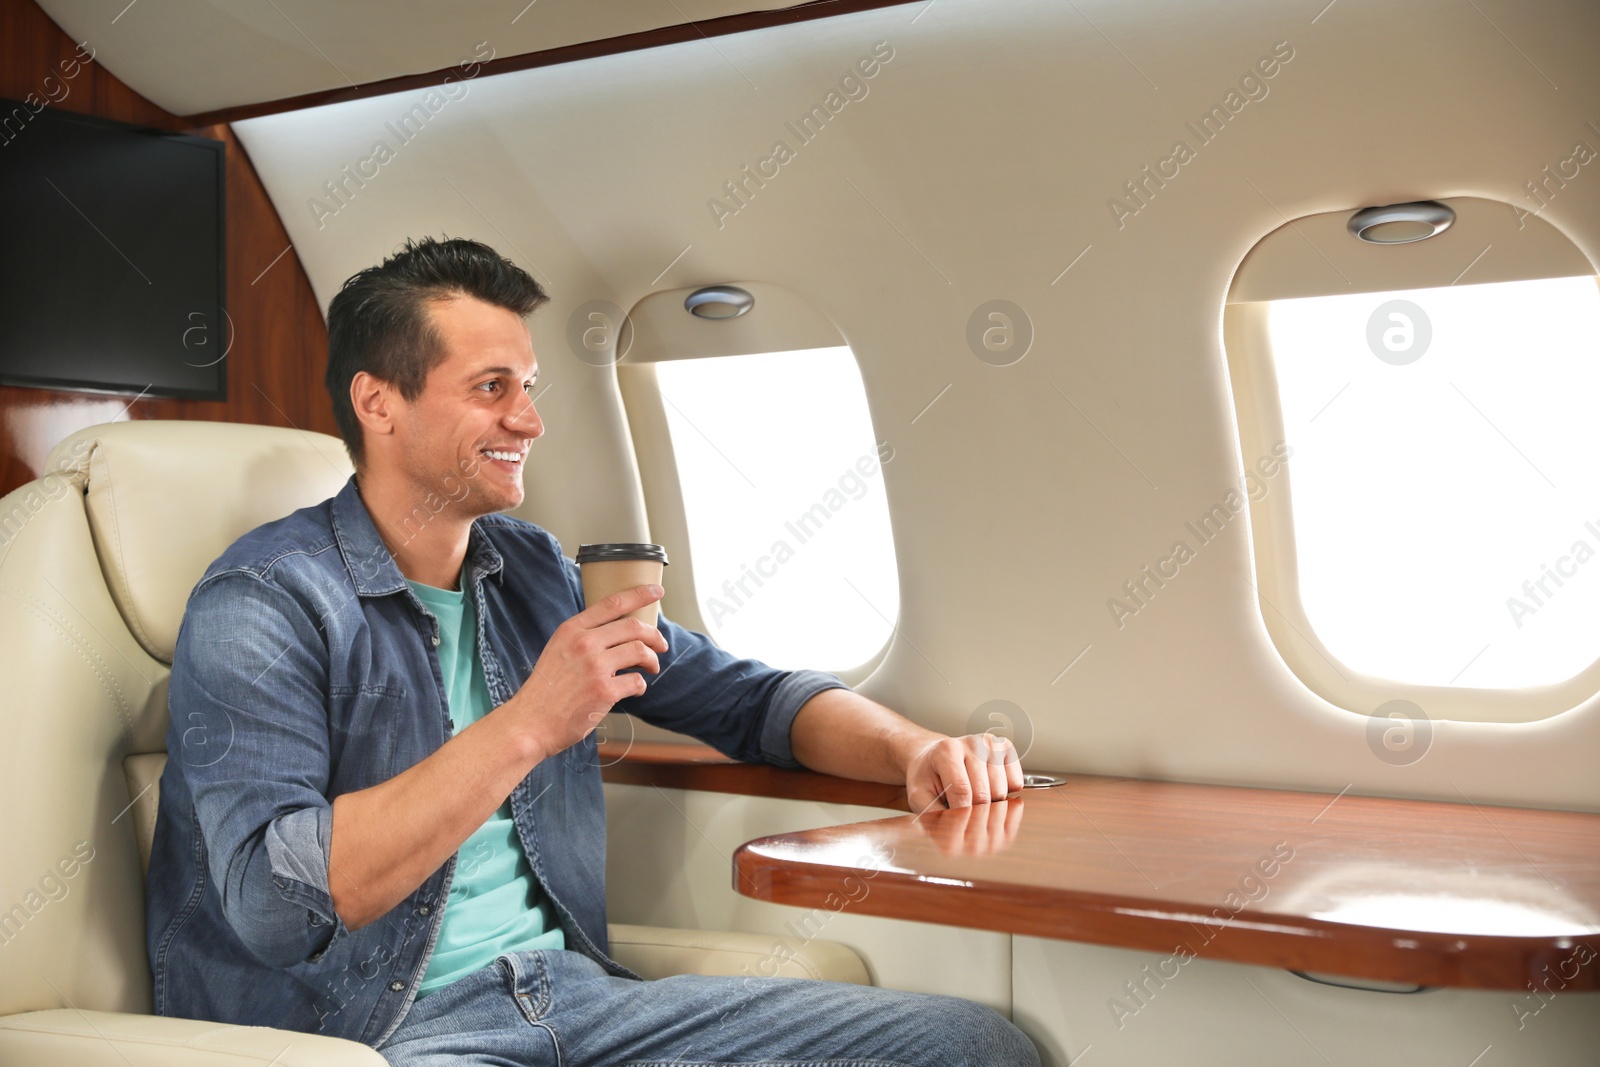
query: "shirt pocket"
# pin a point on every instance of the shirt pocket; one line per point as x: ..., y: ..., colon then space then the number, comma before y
x: 376, y: 733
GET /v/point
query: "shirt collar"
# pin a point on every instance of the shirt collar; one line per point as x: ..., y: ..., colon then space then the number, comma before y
x: 373, y: 571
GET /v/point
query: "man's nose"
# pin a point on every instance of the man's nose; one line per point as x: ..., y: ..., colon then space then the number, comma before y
x: 526, y: 420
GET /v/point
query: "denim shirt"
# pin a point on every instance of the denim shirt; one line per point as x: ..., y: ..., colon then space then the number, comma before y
x: 306, y: 668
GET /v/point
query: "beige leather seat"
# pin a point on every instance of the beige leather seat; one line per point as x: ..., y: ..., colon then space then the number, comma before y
x: 97, y: 559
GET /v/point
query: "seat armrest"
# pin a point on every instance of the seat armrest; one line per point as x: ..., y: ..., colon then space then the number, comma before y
x: 660, y: 952
x: 119, y: 1039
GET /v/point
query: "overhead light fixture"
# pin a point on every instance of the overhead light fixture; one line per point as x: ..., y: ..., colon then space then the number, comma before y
x: 1401, y: 224
x: 719, y: 302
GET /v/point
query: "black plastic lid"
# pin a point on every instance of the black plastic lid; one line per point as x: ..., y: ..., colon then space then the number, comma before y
x: 600, y: 553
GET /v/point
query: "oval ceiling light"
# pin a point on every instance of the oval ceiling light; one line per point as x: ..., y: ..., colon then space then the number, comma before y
x: 1401, y: 224
x: 719, y: 302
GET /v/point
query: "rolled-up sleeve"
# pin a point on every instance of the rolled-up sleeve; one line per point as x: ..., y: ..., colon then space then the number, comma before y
x: 741, y: 707
x: 785, y: 701
x: 249, y: 733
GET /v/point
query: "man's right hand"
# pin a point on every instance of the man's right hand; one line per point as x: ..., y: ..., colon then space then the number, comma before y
x: 373, y: 867
x: 575, y: 681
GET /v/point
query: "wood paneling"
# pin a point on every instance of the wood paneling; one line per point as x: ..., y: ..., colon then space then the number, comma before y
x: 280, y: 343
x: 673, y: 765
x: 609, y: 46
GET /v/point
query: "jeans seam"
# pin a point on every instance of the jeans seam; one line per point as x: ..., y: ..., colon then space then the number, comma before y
x: 533, y: 1012
x: 186, y: 912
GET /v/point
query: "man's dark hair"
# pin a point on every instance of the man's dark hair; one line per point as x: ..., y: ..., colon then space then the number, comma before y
x: 379, y: 321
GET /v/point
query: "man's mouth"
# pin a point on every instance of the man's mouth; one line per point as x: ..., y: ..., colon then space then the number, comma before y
x: 509, y: 459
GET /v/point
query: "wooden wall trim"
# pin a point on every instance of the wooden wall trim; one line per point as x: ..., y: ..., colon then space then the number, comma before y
x: 672, y: 765
x: 547, y: 57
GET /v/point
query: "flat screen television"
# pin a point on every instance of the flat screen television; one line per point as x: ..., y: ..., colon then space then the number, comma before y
x: 111, y: 257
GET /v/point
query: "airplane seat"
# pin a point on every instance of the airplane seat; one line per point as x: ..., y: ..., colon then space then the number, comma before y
x: 97, y: 559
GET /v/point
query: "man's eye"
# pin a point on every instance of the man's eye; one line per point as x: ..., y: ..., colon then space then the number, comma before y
x: 490, y: 384
x: 527, y: 387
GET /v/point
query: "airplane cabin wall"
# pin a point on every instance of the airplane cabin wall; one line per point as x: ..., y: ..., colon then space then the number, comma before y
x: 978, y: 165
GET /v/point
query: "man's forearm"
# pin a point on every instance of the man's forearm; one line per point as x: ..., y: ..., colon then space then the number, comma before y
x: 841, y: 732
x: 389, y: 838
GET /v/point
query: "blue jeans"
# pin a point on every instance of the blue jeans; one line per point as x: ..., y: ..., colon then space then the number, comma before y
x: 558, y: 1008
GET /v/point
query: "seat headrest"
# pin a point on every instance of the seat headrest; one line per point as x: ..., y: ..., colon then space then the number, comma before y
x: 166, y: 498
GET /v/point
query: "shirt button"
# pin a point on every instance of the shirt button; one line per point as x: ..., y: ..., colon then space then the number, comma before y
x: 424, y: 910
x: 397, y: 986
x: 435, y: 640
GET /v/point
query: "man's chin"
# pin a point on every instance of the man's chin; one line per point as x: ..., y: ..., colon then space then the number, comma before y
x: 491, y: 489
x: 495, y: 503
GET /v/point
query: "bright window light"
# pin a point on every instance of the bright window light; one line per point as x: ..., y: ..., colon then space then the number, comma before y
x: 1445, y: 499
x: 783, y: 490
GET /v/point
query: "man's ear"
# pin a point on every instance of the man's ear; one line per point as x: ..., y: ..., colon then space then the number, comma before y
x: 376, y: 403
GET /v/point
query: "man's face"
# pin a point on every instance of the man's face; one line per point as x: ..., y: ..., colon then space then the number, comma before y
x: 477, y: 401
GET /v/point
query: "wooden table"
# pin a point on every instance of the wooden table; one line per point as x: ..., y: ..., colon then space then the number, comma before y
x: 1428, y: 893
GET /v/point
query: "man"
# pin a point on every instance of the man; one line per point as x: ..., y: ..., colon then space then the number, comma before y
x: 382, y: 817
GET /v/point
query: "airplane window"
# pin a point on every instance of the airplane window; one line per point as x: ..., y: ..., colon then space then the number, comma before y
x: 1445, y: 509
x: 787, y: 516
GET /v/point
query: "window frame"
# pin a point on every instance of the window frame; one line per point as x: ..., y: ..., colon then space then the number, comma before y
x: 655, y: 457
x: 1246, y: 341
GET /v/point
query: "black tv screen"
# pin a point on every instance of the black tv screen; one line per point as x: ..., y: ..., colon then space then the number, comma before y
x: 111, y: 257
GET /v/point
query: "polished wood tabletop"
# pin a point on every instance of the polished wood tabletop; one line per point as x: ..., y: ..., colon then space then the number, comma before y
x: 1418, y: 892
x: 1435, y: 894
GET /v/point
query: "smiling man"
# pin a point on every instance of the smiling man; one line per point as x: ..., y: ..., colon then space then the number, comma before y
x: 403, y: 842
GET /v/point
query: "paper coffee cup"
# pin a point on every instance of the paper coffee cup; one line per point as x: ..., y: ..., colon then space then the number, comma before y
x: 614, y: 568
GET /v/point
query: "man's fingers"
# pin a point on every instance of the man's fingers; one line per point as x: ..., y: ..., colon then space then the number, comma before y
x: 957, y: 780
x: 1014, y: 776
x: 998, y: 785
x: 636, y: 685
x: 631, y: 654
x: 977, y: 769
x: 617, y: 605
x: 927, y: 797
x: 999, y: 757
x: 623, y: 630
x: 1005, y: 764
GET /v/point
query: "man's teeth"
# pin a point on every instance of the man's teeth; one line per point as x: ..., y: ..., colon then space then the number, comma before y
x: 509, y: 457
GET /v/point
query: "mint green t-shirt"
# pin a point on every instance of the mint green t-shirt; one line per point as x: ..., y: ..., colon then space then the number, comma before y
x: 494, y: 905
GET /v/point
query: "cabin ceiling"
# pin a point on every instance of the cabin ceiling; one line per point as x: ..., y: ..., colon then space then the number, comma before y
x: 207, y: 55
